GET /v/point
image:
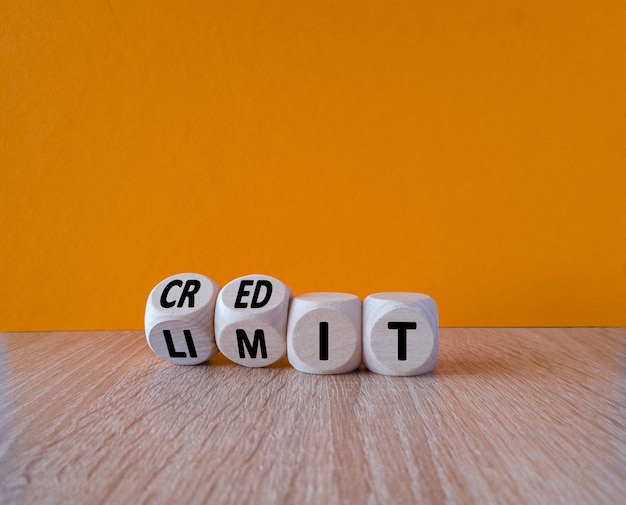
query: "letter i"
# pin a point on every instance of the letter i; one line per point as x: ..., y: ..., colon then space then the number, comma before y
x: 323, y: 341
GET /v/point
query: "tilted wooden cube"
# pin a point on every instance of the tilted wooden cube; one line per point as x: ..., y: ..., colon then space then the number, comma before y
x: 251, y: 320
x: 324, y: 333
x: 400, y: 333
x: 179, y: 318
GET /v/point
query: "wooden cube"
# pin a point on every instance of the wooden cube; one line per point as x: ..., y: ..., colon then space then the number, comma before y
x: 179, y: 318
x: 324, y: 333
x: 251, y: 320
x: 400, y: 333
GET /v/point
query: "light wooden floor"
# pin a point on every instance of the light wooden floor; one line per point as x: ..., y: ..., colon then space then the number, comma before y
x: 508, y: 416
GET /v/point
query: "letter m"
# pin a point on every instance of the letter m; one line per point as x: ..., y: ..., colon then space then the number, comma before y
x: 259, y: 339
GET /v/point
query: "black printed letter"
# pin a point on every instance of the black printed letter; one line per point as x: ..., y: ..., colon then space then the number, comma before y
x: 170, y: 346
x: 241, y: 293
x: 164, y: 303
x: 190, y: 344
x: 268, y: 293
x: 401, y: 327
x: 323, y: 341
x: 259, y: 339
x: 191, y: 288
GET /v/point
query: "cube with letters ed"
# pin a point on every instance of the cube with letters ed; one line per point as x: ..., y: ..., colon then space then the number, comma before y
x: 324, y: 333
x: 251, y: 320
x: 179, y: 318
x: 400, y: 333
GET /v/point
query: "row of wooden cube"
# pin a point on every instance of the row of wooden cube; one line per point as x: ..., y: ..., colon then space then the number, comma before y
x: 254, y: 321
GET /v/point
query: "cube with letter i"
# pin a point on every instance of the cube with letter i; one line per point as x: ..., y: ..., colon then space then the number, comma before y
x: 251, y: 320
x: 179, y: 318
x: 324, y: 333
x: 400, y: 333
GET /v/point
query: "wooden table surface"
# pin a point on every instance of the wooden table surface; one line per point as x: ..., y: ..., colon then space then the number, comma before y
x: 507, y: 416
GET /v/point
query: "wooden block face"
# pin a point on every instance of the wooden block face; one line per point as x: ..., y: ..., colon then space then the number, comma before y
x: 179, y: 318
x: 400, y: 333
x: 324, y: 333
x: 182, y: 342
x: 251, y: 320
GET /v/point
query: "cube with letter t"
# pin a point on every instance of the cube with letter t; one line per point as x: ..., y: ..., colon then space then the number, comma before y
x: 251, y: 320
x: 400, y: 333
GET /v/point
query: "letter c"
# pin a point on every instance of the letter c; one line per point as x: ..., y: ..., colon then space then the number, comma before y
x: 164, y: 303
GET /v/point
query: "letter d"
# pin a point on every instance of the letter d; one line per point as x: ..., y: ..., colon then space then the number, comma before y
x: 255, y: 303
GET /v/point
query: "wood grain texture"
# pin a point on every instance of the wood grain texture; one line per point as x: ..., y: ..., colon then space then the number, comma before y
x: 507, y: 416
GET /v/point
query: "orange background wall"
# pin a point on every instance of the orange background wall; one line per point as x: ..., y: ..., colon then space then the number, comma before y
x: 475, y: 151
